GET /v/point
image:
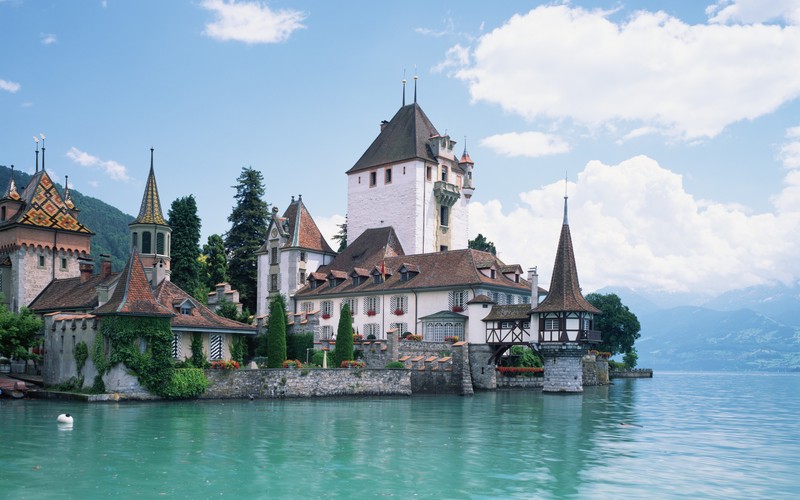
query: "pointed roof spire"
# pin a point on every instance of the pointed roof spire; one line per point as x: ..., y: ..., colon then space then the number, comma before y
x: 11, y: 192
x: 67, y: 197
x: 36, y: 140
x: 415, y: 85
x: 465, y: 157
x: 566, y: 197
x: 42, y: 136
x: 404, y: 87
x: 150, y: 210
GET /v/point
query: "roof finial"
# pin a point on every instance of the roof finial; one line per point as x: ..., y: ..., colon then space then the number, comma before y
x: 299, y: 197
x: 465, y: 146
x: 42, y: 136
x: 566, y: 221
x: 415, y: 84
x: 404, y: 87
x: 151, y: 157
x: 292, y: 198
x: 36, y: 140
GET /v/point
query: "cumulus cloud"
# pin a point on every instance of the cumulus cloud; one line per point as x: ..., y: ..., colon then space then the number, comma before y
x: 251, y: 22
x: 650, y: 70
x: 530, y: 144
x: 329, y: 227
x: 111, y: 168
x: 9, y: 86
x: 633, y: 224
x: 48, y: 38
x: 754, y: 11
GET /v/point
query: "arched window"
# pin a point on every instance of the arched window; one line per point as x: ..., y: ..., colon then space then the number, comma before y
x: 160, y: 244
x: 146, y: 242
x: 135, y: 240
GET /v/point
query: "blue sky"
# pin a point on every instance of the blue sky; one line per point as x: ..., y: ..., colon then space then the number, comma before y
x: 677, y: 123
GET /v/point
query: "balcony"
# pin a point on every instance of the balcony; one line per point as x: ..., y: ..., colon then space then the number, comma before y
x: 446, y: 194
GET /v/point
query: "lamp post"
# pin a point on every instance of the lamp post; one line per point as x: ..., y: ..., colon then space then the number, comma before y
x: 308, y: 349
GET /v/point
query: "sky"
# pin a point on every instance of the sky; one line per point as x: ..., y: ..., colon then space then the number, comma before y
x: 673, y: 126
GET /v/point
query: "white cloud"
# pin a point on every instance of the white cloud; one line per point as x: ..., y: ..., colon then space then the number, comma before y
x: 651, y: 70
x: 633, y: 224
x: 251, y: 22
x: 754, y: 11
x: 456, y: 57
x: 48, y: 38
x: 329, y: 227
x: 113, y: 169
x: 9, y: 86
x: 530, y: 144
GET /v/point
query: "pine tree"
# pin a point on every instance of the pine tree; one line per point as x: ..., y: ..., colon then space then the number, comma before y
x: 216, y: 261
x: 481, y: 243
x: 185, y: 245
x: 276, y: 333
x: 248, y: 232
x: 344, y: 338
x: 341, y: 236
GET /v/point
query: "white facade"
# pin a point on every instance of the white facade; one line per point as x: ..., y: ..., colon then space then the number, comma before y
x: 410, y: 196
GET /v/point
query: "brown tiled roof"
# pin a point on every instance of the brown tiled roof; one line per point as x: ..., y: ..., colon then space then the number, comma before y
x: 133, y: 296
x: 565, y: 291
x: 71, y: 294
x: 509, y: 312
x: 513, y: 268
x: 405, y: 137
x: 367, y: 251
x: 455, y: 268
x: 481, y: 299
x: 202, y: 318
x: 412, y: 268
x: 338, y: 274
x: 359, y: 271
x: 303, y: 231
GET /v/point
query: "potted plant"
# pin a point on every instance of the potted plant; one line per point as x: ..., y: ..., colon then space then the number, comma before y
x: 292, y: 363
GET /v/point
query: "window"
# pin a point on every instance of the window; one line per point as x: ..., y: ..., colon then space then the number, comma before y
x: 160, y: 244
x: 493, y: 274
x: 186, y: 308
x: 373, y: 178
x: 399, y: 304
x: 273, y: 255
x: 405, y: 275
x: 327, y: 332
x: 442, y: 248
x: 372, y: 329
x: 444, y: 215
x: 551, y: 324
x: 302, y: 256
x: 444, y: 173
x: 302, y: 277
x: 401, y: 327
x: 457, y: 301
x: 357, y: 280
x: 3, y: 213
x: 428, y: 173
x: 308, y: 307
x: 437, y: 331
x: 506, y: 325
x: 387, y: 179
x: 135, y: 240
x: 327, y: 307
x: 41, y: 261
x: 372, y: 305
x: 146, y: 242
x: 509, y: 299
x: 63, y: 263
x: 353, y: 303
x: 377, y: 278
x: 176, y: 346
x: 273, y: 282
x: 215, y: 347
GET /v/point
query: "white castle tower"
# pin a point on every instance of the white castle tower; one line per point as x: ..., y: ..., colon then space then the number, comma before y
x: 411, y: 179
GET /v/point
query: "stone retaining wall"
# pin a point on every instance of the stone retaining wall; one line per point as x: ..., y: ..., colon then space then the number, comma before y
x: 519, y: 382
x: 306, y: 383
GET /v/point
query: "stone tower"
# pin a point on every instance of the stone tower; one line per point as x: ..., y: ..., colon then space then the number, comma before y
x: 411, y: 179
x: 150, y: 232
x: 565, y: 321
x: 41, y: 238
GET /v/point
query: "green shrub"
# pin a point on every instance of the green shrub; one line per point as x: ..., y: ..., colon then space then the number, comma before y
x: 81, y: 355
x: 317, y: 356
x: 186, y: 383
x: 296, y: 345
x: 395, y: 365
x: 198, y: 356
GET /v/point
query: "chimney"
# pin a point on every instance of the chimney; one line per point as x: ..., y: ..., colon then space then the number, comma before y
x: 105, y: 265
x: 533, y: 277
x: 159, y: 272
x: 86, y: 269
x: 383, y: 124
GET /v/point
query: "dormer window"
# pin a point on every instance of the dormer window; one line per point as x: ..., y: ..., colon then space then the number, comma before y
x: 2, y: 214
x: 493, y: 274
x: 185, y: 307
x: 377, y: 278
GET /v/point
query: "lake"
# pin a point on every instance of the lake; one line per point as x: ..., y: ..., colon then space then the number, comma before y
x: 710, y: 435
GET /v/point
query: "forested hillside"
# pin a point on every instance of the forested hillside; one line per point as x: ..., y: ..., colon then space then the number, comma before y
x: 109, y: 224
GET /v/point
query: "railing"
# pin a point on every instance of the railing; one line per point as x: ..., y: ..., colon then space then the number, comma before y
x: 447, y: 194
x: 563, y: 336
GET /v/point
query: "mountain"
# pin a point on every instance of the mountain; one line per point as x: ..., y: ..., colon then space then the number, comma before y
x: 109, y: 224
x: 778, y: 301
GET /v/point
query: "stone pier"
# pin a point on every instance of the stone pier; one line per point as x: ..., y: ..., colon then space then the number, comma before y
x: 563, y: 367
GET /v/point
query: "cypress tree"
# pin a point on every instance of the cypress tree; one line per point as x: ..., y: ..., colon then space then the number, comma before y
x: 248, y: 232
x: 276, y: 333
x: 344, y: 338
x: 185, y: 246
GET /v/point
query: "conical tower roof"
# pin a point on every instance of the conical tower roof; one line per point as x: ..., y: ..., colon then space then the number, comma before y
x: 303, y: 231
x: 150, y: 210
x: 11, y: 192
x: 565, y: 291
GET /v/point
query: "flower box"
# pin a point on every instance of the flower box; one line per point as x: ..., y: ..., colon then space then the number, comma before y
x: 292, y: 363
x: 358, y: 337
x: 513, y: 371
x: 352, y: 364
x: 399, y: 312
x: 457, y: 309
x: 326, y: 316
x: 413, y: 338
x: 371, y: 312
x: 223, y: 364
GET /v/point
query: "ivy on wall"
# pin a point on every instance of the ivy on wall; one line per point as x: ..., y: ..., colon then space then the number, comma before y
x: 144, y: 346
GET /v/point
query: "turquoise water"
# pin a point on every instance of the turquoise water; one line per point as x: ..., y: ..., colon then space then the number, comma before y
x: 687, y: 435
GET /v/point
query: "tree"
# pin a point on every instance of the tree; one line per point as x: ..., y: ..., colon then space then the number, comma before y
x: 344, y: 338
x: 215, y: 261
x: 618, y: 326
x: 248, y: 232
x: 185, y: 243
x: 481, y: 243
x: 631, y: 358
x: 276, y: 333
x: 341, y: 236
x: 18, y: 333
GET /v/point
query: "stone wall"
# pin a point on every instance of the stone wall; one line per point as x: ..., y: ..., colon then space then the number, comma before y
x: 520, y: 382
x: 483, y: 374
x: 595, y: 371
x: 306, y: 383
x: 563, y: 368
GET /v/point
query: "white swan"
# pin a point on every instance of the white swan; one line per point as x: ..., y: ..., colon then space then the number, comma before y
x: 65, y: 418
